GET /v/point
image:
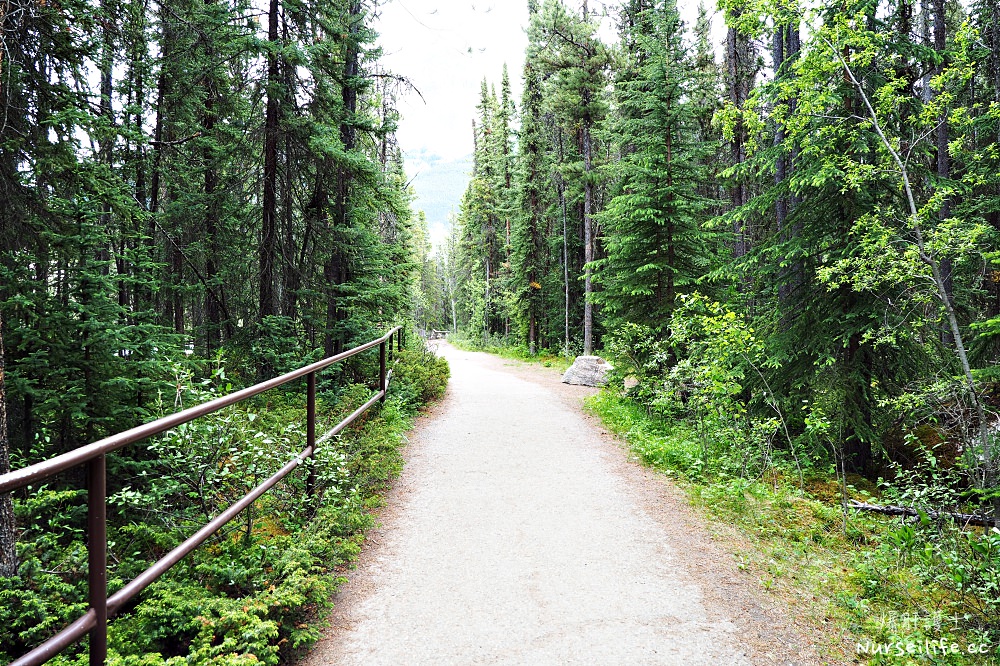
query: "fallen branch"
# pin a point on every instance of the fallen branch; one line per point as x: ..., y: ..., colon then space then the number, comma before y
x: 964, y: 518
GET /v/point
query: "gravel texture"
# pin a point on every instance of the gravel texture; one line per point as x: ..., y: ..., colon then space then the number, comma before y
x: 520, y: 533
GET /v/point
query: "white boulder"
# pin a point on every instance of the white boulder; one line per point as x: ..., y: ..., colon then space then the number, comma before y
x: 588, y: 371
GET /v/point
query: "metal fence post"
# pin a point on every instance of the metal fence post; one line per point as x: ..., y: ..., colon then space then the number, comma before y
x: 381, y: 369
x: 97, y: 557
x: 311, y: 431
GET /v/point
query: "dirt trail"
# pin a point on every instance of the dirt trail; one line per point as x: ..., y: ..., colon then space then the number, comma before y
x: 520, y: 534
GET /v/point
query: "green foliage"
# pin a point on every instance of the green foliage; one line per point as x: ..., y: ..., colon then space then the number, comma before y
x: 653, y: 235
x: 419, y: 376
x: 254, y: 593
x: 882, y: 582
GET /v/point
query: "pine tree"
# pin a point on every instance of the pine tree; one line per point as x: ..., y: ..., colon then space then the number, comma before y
x: 529, y: 252
x: 578, y: 62
x: 653, y: 227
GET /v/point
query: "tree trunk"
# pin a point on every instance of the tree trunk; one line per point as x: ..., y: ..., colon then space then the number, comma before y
x: 176, y: 300
x: 212, y: 306
x: 565, y: 244
x: 857, y: 450
x: 269, y: 220
x: 291, y: 272
x: 153, y: 298
x: 737, y: 50
x: 943, y: 157
x: 8, y: 529
x: 792, y: 48
x: 336, y: 266
x: 780, y: 203
x: 588, y: 238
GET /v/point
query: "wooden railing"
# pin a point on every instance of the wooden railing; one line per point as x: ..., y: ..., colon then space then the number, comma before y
x: 102, y: 607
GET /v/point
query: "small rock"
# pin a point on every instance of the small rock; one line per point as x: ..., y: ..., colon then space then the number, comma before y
x: 588, y: 371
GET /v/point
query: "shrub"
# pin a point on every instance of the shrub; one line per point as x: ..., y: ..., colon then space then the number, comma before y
x: 251, y: 594
x: 418, y: 377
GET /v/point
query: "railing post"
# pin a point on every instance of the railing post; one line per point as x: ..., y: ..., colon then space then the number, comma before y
x: 381, y: 369
x: 399, y: 340
x: 311, y: 430
x: 97, y: 557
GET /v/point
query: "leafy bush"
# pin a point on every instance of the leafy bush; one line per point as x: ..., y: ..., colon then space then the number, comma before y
x: 254, y: 592
x: 418, y: 377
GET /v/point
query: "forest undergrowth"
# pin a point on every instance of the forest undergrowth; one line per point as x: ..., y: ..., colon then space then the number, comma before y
x: 498, y: 346
x: 883, y: 583
x: 698, y: 406
x: 258, y: 590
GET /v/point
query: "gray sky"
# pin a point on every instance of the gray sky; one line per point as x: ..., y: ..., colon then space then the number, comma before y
x: 445, y: 48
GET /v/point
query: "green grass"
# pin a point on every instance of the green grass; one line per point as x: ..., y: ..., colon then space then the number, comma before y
x: 844, y: 572
x: 499, y: 347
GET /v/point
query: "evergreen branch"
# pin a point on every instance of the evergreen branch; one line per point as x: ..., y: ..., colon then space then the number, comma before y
x: 201, y: 278
x: 175, y: 142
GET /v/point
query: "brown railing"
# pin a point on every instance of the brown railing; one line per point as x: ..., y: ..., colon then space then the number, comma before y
x: 102, y: 607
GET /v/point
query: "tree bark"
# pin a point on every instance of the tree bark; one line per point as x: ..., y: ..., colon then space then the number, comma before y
x: 588, y: 236
x: 588, y: 220
x: 565, y: 244
x: 336, y: 266
x: 291, y: 272
x: 268, y: 231
x: 739, y: 81
x: 943, y: 157
x: 8, y: 528
x: 212, y: 306
x: 780, y: 203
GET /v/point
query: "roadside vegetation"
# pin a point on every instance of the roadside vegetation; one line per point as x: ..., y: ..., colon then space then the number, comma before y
x: 787, y: 245
x: 499, y: 347
x: 256, y: 592
x: 197, y: 197
x: 922, y: 589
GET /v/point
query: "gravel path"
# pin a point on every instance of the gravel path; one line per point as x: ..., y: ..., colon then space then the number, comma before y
x: 520, y: 534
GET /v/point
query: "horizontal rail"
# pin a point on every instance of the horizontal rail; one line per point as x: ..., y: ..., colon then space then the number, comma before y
x: 103, y: 607
x: 40, y: 471
x: 50, y: 648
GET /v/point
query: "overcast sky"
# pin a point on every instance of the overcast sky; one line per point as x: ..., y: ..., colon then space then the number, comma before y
x: 445, y: 48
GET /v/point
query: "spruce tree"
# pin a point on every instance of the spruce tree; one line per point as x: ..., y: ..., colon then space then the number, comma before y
x: 577, y: 62
x: 653, y: 227
x: 529, y: 251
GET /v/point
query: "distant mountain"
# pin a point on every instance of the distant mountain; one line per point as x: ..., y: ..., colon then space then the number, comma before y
x: 439, y: 184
